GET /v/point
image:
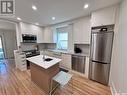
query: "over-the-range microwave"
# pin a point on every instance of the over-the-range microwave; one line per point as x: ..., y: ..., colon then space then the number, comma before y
x: 28, y: 38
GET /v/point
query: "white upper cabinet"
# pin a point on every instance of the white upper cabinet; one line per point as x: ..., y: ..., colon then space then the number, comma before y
x: 27, y: 28
x: 104, y: 16
x: 82, y: 30
x: 40, y: 35
x: 32, y: 29
x: 48, y: 35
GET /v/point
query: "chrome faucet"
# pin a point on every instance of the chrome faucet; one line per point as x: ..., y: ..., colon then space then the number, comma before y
x: 43, y: 54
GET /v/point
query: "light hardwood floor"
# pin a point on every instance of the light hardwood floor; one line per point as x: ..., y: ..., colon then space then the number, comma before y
x: 15, y: 82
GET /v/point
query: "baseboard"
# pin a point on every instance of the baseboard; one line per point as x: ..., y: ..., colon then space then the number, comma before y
x: 113, y: 89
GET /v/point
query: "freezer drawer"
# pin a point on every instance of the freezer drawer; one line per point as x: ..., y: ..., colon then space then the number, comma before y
x: 101, y: 46
x: 99, y: 72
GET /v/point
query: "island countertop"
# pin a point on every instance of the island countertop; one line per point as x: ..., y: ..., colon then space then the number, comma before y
x: 38, y: 60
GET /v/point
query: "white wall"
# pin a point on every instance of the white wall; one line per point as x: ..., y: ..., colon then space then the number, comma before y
x: 118, y: 77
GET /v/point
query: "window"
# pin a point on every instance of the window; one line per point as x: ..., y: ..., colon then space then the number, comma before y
x: 62, y: 39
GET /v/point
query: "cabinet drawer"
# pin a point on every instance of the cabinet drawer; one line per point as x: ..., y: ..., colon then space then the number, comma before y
x: 23, y: 57
x: 23, y: 69
x: 23, y: 60
x: 23, y: 66
x: 23, y: 63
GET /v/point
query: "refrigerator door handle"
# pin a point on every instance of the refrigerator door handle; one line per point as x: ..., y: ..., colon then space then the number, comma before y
x: 92, y: 47
x: 100, y: 62
x: 103, y: 29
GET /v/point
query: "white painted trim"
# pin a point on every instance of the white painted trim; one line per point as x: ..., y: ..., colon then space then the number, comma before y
x: 113, y: 89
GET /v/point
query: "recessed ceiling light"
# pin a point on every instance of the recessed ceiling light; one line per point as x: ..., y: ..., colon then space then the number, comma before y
x: 53, y: 18
x: 18, y: 18
x: 86, y: 6
x: 36, y: 23
x: 34, y: 7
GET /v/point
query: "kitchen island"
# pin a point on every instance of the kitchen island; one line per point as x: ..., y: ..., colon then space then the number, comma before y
x: 42, y: 70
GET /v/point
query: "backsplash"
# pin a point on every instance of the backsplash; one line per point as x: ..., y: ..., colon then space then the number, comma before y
x: 47, y: 46
x: 28, y: 46
x: 84, y: 47
x: 31, y: 46
x: 41, y: 46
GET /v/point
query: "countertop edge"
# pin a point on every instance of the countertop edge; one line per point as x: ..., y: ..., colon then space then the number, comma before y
x: 45, y: 67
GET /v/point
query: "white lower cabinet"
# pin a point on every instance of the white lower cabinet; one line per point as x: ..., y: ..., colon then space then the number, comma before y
x: 66, y: 61
x: 66, y: 58
x: 87, y: 67
x: 20, y: 60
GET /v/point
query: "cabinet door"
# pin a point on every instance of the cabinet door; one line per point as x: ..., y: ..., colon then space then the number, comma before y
x: 66, y: 61
x: 104, y: 16
x: 48, y: 35
x: 40, y: 35
x: 82, y: 31
x: 27, y: 28
x: 87, y: 67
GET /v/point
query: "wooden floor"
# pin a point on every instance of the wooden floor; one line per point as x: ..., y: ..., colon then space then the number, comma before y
x: 15, y: 82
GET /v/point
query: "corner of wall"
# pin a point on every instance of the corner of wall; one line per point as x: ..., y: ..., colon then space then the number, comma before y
x: 113, y: 89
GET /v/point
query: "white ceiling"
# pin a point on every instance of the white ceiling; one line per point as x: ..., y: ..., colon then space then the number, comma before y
x: 63, y: 10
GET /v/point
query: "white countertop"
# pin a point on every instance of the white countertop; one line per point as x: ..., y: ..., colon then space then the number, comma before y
x: 38, y: 60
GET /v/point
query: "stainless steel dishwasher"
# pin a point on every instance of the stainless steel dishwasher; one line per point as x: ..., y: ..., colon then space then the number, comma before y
x: 78, y: 63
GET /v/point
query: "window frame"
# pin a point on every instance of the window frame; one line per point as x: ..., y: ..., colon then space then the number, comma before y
x: 57, y: 32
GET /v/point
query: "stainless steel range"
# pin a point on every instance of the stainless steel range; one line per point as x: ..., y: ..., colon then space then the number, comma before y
x: 31, y: 53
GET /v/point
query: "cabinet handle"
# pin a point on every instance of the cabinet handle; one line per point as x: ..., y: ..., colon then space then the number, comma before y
x: 23, y: 60
x: 24, y: 64
x: 21, y: 54
x: 23, y: 57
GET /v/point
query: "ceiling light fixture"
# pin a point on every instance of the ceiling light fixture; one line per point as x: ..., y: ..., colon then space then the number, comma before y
x: 34, y: 7
x: 36, y: 23
x: 18, y: 18
x: 53, y: 18
x: 86, y: 6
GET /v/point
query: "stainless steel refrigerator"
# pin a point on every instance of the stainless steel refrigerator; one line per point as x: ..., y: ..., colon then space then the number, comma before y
x: 100, y: 56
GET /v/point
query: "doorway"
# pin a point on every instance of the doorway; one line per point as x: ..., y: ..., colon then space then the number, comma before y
x: 1, y: 49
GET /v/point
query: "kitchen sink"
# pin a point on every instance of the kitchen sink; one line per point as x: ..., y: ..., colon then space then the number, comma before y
x: 48, y: 59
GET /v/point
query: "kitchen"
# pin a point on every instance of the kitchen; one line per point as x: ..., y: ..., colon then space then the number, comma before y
x: 75, y: 53
x: 81, y: 47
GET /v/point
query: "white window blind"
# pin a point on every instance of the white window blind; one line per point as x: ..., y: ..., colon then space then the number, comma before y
x: 62, y: 38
